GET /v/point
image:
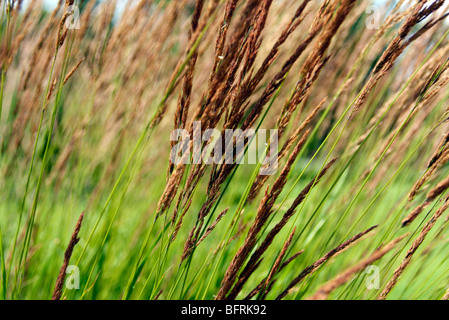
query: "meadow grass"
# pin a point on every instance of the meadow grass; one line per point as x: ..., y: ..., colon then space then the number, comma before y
x: 357, y: 91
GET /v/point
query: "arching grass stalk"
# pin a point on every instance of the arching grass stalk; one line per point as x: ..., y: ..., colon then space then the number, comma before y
x: 256, y: 170
x: 111, y: 222
x: 30, y: 170
x: 173, y: 288
x: 369, y: 134
x: 243, y: 198
x: 312, y: 134
x: 145, y: 134
x: 320, y: 121
x: 407, y: 159
x: 231, y: 229
x: 307, y: 166
x: 386, y: 149
x: 344, y: 114
x: 160, y: 262
x: 439, y: 279
x: 402, y: 205
x: 140, y: 263
x: 394, y: 175
x: 147, y: 131
x: 372, y: 171
x: 393, y: 259
x: 25, y: 248
x: 163, y: 260
x: 350, y: 74
x: 339, y: 136
x: 389, y: 264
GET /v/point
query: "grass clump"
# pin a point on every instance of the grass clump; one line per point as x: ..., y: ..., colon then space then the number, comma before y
x: 360, y: 109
